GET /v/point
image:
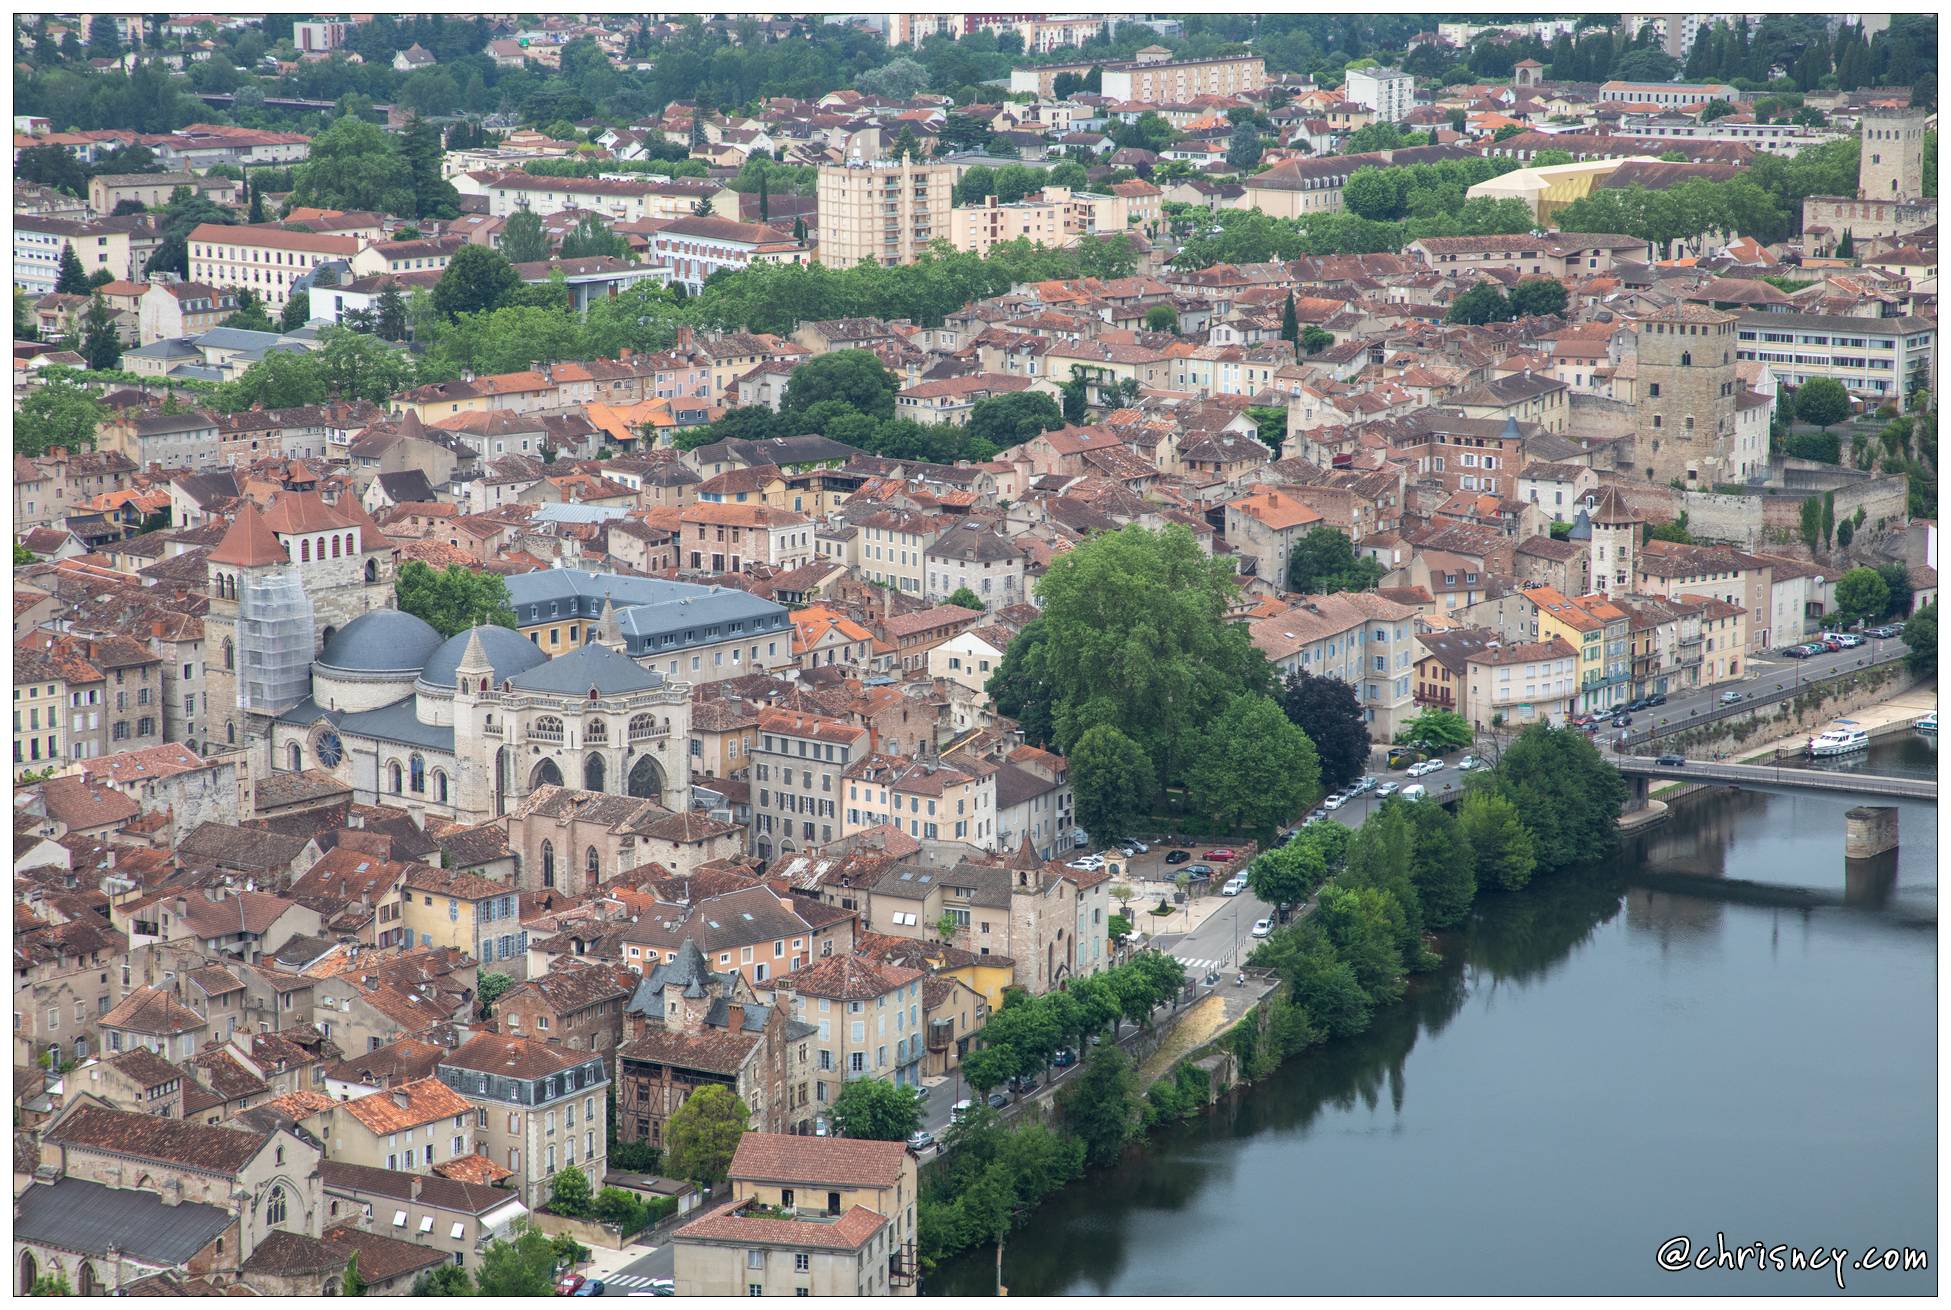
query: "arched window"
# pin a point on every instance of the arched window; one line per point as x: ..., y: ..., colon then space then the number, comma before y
x: 440, y: 787
x: 274, y: 1208
x: 297, y: 757
x: 1686, y: 359
x: 547, y: 727
x: 230, y: 653
x: 593, y: 773
x: 591, y: 864
x: 548, y: 863
x: 393, y: 777
x: 335, y: 547
x: 372, y: 570
x: 305, y: 551
x: 643, y: 725
x: 596, y: 730
x: 416, y: 774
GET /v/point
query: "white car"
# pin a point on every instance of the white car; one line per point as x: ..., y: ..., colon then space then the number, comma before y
x: 1333, y: 803
x: 1263, y: 927
x: 1388, y: 789
x: 1233, y: 887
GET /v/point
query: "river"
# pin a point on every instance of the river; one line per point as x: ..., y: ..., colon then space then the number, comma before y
x: 1721, y: 1034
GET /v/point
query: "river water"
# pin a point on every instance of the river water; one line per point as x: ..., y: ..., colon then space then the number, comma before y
x: 1726, y: 1033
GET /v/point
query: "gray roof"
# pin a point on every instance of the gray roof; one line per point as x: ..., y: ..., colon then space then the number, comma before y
x: 382, y: 641
x: 170, y: 348
x: 577, y: 513
x: 227, y: 338
x: 76, y: 1215
x: 655, y: 615
x: 508, y: 653
x: 610, y: 672
x: 395, y: 723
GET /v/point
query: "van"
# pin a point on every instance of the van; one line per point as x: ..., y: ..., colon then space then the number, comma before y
x: 1415, y: 791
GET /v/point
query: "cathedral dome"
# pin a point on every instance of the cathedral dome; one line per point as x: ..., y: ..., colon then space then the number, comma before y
x: 381, y: 641
x: 508, y: 652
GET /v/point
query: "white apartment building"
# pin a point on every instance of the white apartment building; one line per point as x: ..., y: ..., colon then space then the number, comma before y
x: 1389, y: 92
x: 1872, y: 357
x: 267, y: 260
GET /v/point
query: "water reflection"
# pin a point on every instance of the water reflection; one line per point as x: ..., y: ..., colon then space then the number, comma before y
x: 1662, y: 1082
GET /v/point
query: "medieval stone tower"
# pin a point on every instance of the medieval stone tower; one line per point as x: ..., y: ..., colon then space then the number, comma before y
x: 1614, y: 545
x: 1684, y: 419
x: 1892, y: 163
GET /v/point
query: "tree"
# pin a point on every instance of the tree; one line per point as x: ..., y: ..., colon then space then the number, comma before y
x: 454, y: 599
x: 1324, y: 562
x: 1861, y: 595
x: 856, y: 378
x: 1021, y: 688
x: 52, y: 166
x: 1828, y: 517
x: 1440, y: 730
x: 57, y: 414
x: 1897, y: 578
x: 475, y: 280
x: 1290, y: 324
x: 592, y: 237
x: 1112, y: 783
x: 1445, y: 870
x: 1845, y: 533
x: 702, y: 1134
x: 297, y: 312
x: 1567, y: 796
x: 1101, y: 1104
x: 1822, y: 401
x: 354, y: 164
x: 1243, y: 147
x: 420, y: 152
x: 1482, y: 303
x: 1162, y: 318
x: 1811, y: 524
x: 1314, y: 339
x: 72, y: 278
x: 255, y: 214
x: 250, y: 314
x: 54, y: 1284
x: 523, y: 1267
x: 1134, y: 634
x: 104, y: 40
x: 1326, y: 710
x: 1255, y: 769
x: 901, y: 78
x: 1920, y: 636
x: 1538, y: 296
x: 352, y: 1284
x: 23, y: 556
x: 877, y: 1110
x: 444, y: 1280
x: 1504, y: 851
x: 1289, y: 873
x: 1364, y: 926
x: 489, y: 989
x: 1013, y: 418
x: 1076, y: 396
x: 569, y: 1192
x: 100, y: 345
x: 389, y: 321
x: 965, y: 598
x: 522, y: 239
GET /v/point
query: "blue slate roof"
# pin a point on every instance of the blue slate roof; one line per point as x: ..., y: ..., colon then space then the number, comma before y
x: 508, y: 652
x: 395, y: 723
x: 381, y: 641
x: 610, y: 672
x: 76, y: 1215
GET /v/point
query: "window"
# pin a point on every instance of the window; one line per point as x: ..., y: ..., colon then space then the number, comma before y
x: 802, y: 1262
x: 274, y: 1209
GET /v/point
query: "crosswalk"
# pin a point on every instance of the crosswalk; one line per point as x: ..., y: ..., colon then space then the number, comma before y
x: 1201, y: 967
x: 630, y: 1280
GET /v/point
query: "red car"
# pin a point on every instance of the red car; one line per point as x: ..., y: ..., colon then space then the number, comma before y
x: 1221, y: 855
x: 568, y: 1283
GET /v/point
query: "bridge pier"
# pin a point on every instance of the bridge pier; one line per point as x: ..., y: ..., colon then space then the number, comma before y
x: 1870, y: 831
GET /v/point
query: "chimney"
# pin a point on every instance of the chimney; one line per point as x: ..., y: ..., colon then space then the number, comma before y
x: 413, y: 1191
x: 734, y: 1016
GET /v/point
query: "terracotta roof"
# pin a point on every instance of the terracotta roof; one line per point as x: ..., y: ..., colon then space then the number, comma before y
x: 477, y: 1169
x: 408, y: 1106
x: 153, y: 1012
x: 204, y: 1147
x: 382, y: 1258
x: 848, y: 977
x: 145, y: 1067
x: 512, y: 1057
x: 250, y: 541
x: 850, y: 1232
x: 818, y: 1161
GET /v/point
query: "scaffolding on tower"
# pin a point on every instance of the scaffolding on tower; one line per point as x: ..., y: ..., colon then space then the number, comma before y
x: 274, y: 642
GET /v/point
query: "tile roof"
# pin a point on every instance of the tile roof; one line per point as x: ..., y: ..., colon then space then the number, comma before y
x: 207, y: 1148
x: 152, y: 1012
x: 512, y: 1057
x: 408, y: 1105
x: 818, y: 1161
x: 850, y: 1232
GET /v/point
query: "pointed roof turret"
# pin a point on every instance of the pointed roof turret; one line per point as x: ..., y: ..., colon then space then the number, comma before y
x: 474, y: 659
x: 1510, y: 432
x: 1612, y: 509
x: 249, y: 543
x: 611, y: 633
x: 411, y: 426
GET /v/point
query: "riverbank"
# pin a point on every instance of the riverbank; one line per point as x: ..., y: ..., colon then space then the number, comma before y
x: 1676, y: 1016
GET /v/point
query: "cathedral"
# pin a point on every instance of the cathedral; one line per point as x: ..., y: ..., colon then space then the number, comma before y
x: 467, y: 727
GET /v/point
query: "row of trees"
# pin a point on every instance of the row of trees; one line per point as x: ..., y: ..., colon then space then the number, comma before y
x: 1487, y: 303
x: 1025, y: 1034
x: 1765, y: 202
x: 1242, y: 236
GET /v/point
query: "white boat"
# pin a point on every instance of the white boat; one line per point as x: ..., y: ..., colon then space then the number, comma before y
x: 1928, y: 724
x: 1842, y: 737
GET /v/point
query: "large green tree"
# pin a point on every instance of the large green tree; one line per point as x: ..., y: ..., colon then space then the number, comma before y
x: 1134, y: 634
x: 71, y: 279
x: 1504, y: 851
x: 1022, y: 688
x: 1441, y: 729
x: 873, y: 1108
x: 1326, y: 710
x: 1254, y: 769
x: 1112, y: 782
x: 702, y: 1134
x: 1445, y: 870
x: 1014, y: 417
x: 1483, y: 303
x: 523, y: 1267
x: 57, y: 413
x: 1566, y: 794
x: 855, y: 378
x: 1324, y: 561
x: 475, y: 280
x: 1821, y: 401
x: 1861, y: 595
x: 353, y: 164
x: 454, y: 599
x: 420, y: 152
x: 1920, y: 636
x: 522, y: 239
x: 100, y: 345
x: 1101, y: 1104
x: 1538, y: 296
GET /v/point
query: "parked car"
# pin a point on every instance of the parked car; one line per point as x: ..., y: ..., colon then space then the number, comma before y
x: 1635, y: 705
x: 568, y: 1284
x: 960, y: 1110
x: 1333, y: 803
x: 1401, y: 757
x: 1262, y: 927
x: 998, y: 1100
x: 1223, y: 854
x: 1178, y: 857
x: 1023, y: 1084
x: 1388, y: 789
x: 1468, y: 763
x: 1233, y: 887
x: 1730, y: 697
x: 1797, y: 652
x: 1317, y: 816
x: 1064, y: 1058
x: 1671, y: 761
x: 1139, y: 846
x: 1850, y: 641
x: 1623, y: 720
x: 591, y: 1287
x: 1657, y: 698
x: 1199, y: 872
x: 1415, y: 791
